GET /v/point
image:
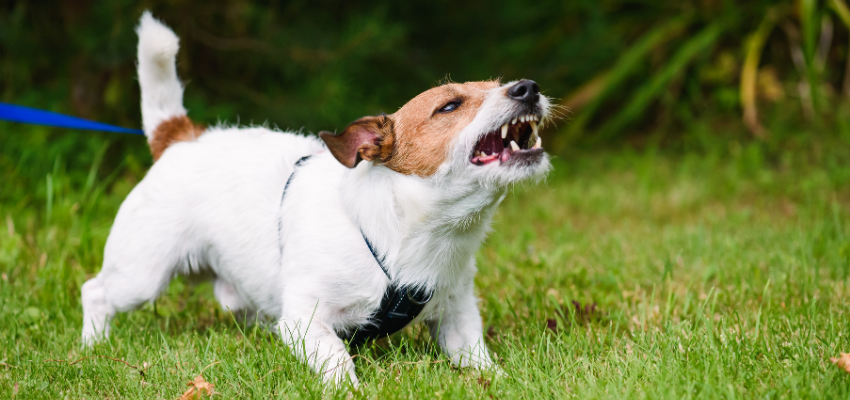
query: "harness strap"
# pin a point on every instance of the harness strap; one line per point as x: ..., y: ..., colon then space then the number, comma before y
x: 400, y: 304
x: 399, y: 307
x: 380, y: 260
x: 282, y: 194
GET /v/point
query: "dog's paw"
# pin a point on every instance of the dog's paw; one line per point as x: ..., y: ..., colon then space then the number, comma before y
x: 341, y: 377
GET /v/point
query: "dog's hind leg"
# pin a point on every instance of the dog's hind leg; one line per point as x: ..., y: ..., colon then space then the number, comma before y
x: 118, y: 290
x: 138, y: 263
x: 227, y: 296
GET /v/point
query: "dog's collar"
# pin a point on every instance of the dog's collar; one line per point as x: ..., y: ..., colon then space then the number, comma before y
x: 400, y: 304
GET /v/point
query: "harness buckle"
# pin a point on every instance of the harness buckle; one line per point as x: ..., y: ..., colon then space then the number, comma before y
x: 416, y: 301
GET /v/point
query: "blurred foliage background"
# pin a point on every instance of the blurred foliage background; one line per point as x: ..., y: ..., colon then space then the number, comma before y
x: 684, y: 74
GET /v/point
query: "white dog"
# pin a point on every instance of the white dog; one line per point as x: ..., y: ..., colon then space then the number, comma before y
x: 351, y: 236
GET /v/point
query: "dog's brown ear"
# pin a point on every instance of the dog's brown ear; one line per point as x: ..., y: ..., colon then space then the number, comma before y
x: 368, y: 138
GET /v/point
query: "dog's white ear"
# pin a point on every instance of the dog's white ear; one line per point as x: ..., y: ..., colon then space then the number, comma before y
x: 368, y: 138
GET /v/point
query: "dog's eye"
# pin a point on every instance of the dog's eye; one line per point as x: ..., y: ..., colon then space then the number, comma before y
x: 451, y: 106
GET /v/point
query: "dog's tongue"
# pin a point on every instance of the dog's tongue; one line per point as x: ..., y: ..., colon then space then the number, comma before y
x: 505, y: 155
x: 485, y: 159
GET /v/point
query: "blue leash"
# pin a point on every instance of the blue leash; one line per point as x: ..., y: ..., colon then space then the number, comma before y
x: 34, y: 116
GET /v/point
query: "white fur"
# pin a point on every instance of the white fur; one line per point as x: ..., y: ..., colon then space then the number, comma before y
x: 162, y: 93
x: 214, y: 205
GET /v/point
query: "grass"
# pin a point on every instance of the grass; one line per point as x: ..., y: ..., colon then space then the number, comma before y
x: 719, y: 273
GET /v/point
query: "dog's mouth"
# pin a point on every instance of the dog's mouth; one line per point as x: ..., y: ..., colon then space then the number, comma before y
x: 515, y: 140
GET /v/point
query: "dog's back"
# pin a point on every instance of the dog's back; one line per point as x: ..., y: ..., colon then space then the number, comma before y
x: 208, y: 199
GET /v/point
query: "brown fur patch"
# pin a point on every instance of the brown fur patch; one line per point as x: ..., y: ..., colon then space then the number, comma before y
x: 422, y: 137
x: 175, y: 129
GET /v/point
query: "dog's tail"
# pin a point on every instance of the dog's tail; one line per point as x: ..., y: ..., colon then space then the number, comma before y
x: 163, y: 116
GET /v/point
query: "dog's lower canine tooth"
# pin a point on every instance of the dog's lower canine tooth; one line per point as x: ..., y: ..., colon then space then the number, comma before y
x: 538, y: 144
x: 504, y: 131
x: 514, y: 146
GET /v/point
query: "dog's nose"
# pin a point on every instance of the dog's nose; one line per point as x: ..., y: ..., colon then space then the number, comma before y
x: 526, y: 91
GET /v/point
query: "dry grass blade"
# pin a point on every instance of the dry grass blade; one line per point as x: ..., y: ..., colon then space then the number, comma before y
x: 809, y: 27
x: 587, y: 92
x: 799, y: 59
x: 749, y: 73
x: 840, y: 8
x: 92, y: 357
x: 144, y: 367
x: 423, y: 362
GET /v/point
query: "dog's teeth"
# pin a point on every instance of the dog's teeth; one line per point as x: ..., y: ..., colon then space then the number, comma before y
x: 514, y: 146
x: 538, y: 144
x: 533, y: 129
x: 513, y: 122
x: 504, y: 131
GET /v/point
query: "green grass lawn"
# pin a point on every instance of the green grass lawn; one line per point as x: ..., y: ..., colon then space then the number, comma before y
x: 627, y: 274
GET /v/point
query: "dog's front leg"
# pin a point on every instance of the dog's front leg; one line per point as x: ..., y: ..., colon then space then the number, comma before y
x: 315, y: 344
x: 456, y: 325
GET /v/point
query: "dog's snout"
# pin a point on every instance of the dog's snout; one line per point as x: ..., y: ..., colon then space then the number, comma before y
x: 526, y: 91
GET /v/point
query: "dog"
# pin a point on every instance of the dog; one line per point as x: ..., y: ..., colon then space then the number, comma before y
x: 345, y: 236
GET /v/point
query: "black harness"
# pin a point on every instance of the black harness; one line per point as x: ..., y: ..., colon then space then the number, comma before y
x: 399, y: 306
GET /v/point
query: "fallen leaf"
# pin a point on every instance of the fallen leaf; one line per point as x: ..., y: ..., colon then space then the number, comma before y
x: 197, y: 388
x: 842, y: 362
x: 585, y: 312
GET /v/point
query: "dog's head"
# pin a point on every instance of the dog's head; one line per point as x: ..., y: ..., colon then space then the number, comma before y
x: 484, y: 130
